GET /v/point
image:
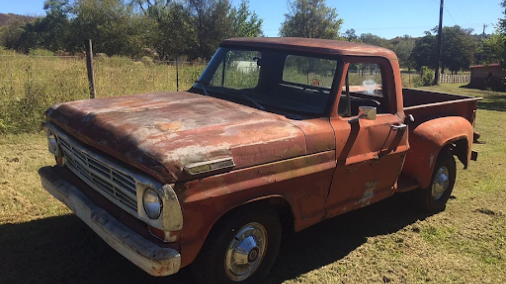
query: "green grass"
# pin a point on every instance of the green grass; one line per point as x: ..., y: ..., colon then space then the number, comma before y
x: 389, y: 242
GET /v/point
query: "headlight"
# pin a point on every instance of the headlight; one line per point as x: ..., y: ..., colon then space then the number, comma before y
x: 152, y: 203
x: 51, y: 142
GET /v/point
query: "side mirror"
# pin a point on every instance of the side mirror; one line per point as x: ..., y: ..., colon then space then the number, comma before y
x: 367, y: 112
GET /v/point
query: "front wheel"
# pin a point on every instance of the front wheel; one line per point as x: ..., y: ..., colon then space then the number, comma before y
x: 433, y: 199
x: 241, y: 248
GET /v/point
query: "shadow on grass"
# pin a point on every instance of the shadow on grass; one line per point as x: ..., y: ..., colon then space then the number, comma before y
x: 64, y: 250
x: 495, y: 101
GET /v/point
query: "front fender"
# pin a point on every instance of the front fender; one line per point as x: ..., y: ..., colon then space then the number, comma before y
x: 302, y: 183
x: 428, y: 138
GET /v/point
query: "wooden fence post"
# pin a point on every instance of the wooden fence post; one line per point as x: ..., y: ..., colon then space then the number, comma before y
x: 89, y: 67
x: 177, y: 73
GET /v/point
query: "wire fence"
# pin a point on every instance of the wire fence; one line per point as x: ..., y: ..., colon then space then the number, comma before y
x: 113, y: 75
x: 30, y: 84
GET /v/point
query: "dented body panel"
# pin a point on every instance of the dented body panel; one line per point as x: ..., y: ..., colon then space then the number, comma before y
x: 311, y: 168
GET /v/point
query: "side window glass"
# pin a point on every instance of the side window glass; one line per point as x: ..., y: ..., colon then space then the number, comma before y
x: 239, y: 70
x: 365, y: 85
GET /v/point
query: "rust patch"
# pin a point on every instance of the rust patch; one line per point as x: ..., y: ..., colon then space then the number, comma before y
x: 169, y: 127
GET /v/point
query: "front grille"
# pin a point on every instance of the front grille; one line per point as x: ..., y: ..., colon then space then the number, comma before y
x: 110, y: 182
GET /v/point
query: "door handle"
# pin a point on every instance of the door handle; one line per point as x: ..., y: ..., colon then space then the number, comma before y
x: 400, y: 127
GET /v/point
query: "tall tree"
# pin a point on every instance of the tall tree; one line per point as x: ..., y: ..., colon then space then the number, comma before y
x: 155, y: 9
x: 494, y: 47
x: 402, y: 46
x: 423, y: 53
x: 371, y: 39
x: 311, y: 19
x: 212, y: 23
x: 174, y: 34
x: 457, y: 52
x: 458, y: 48
x: 351, y: 36
x: 11, y: 33
x: 246, y: 23
x: 111, y: 24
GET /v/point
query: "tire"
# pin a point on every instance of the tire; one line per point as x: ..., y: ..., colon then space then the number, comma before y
x: 433, y: 199
x: 218, y: 258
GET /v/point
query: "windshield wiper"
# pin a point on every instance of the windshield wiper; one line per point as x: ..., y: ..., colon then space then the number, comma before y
x: 203, y: 87
x: 253, y: 101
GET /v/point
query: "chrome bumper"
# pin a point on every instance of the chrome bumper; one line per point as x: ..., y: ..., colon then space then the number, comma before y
x: 155, y: 260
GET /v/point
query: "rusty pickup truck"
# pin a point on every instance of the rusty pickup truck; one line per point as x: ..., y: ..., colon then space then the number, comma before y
x: 277, y: 135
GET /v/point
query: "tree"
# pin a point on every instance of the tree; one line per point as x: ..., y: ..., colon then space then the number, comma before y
x: 402, y: 46
x: 311, y: 19
x: 212, y: 23
x: 457, y: 51
x: 244, y: 22
x: 174, y: 33
x: 11, y: 32
x: 494, y: 48
x: 423, y: 53
x: 50, y: 32
x: 371, y: 39
x: 111, y: 24
x: 351, y: 36
x: 458, y: 48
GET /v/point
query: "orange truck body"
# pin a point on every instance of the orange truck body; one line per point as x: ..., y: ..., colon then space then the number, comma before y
x: 310, y: 170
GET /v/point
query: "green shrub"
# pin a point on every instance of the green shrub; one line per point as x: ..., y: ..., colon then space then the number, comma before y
x: 427, y: 77
x: 40, y: 52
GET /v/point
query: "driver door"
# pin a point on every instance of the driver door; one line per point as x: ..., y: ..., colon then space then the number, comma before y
x: 370, y: 151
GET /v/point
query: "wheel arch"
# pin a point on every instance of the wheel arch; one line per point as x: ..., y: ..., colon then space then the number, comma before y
x: 429, y: 139
x: 279, y: 203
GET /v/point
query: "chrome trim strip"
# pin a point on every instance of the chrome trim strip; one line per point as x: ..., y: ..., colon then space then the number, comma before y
x: 209, y: 166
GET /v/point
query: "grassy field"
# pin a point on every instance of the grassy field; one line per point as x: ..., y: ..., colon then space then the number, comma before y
x: 384, y: 243
x: 389, y: 242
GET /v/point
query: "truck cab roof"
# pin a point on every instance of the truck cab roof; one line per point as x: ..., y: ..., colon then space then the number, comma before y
x: 313, y: 45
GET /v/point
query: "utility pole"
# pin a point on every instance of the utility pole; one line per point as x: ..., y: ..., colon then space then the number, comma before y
x: 439, y: 37
x: 482, y: 36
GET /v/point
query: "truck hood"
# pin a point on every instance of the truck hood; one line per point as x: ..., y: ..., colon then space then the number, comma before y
x: 160, y: 133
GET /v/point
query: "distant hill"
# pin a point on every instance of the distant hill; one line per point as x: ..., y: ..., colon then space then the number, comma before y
x: 5, y: 18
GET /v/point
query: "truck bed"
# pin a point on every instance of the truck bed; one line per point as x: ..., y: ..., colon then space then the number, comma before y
x: 425, y: 105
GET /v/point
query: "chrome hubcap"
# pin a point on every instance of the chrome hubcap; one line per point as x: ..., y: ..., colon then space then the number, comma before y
x: 441, y: 183
x: 245, y: 251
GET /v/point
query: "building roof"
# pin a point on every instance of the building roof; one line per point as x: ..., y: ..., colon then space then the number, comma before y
x: 324, y: 46
x: 486, y: 65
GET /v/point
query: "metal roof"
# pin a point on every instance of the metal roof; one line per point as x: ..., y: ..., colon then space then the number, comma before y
x: 324, y: 46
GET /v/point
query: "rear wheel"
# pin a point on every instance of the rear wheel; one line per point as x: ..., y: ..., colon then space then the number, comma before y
x: 241, y: 248
x: 433, y: 199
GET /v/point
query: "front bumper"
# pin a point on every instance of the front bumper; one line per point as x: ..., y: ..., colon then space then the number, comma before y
x: 155, y: 260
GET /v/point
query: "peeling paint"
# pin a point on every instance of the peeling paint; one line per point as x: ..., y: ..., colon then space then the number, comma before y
x: 431, y: 160
x: 368, y: 193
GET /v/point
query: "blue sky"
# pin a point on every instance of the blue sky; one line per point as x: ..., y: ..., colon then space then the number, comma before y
x: 386, y: 18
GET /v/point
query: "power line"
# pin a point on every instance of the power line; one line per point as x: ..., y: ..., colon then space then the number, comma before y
x: 462, y: 12
x: 447, y: 10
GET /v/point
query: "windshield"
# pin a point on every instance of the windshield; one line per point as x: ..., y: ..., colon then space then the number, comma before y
x: 275, y: 81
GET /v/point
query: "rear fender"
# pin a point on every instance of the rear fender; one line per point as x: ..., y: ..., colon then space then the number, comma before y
x: 429, y: 138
